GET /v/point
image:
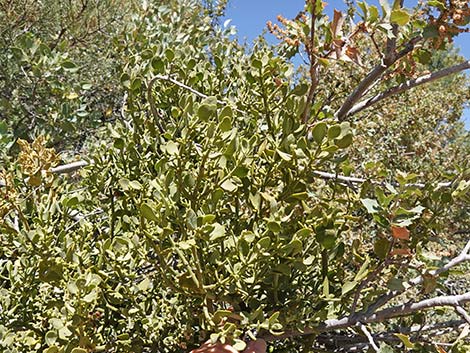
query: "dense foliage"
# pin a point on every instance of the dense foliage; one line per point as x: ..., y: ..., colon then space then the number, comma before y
x: 233, y: 195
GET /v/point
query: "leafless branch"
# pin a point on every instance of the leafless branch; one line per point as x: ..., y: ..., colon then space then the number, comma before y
x: 355, y: 180
x: 364, y: 86
x: 380, y: 316
x: 463, y: 256
x: 409, y: 85
x: 188, y: 88
x: 463, y: 313
x: 384, y: 299
x: 369, y: 337
x: 70, y: 167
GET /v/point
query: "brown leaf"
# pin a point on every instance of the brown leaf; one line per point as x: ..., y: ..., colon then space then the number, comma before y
x: 337, y: 23
x: 353, y: 54
x: 400, y: 233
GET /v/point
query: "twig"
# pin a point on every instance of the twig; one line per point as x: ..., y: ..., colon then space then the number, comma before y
x: 369, y: 337
x: 355, y: 180
x: 188, y: 88
x: 380, y: 316
x: 313, y: 70
x: 463, y: 313
x: 408, y: 85
x: 463, y: 256
x: 372, y: 77
x: 382, y: 300
x: 70, y: 167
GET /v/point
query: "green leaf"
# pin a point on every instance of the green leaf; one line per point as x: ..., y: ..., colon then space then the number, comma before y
x: 241, y: 171
x: 285, y: 156
x: 274, y: 227
x: 319, y: 132
x: 124, y: 184
x: 207, y: 108
x: 228, y: 185
x: 172, y: 148
x: 395, y: 284
x: 406, y: 340
x: 372, y: 206
x: 134, y: 184
x: 348, y: 286
x: 69, y: 66
x: 264, y: 243
x: 300, y: 90
x: 345, y: 141
x: 430, y: 32
x: 239, y: 345
x: 78, y: 350
x: 169, y: 54
x: 400, y: 17
x: 144, y: 284
x: 90, y: 297
x: 191, y: 219
x: 51, y: 337
x: 207, y: 219
x: 362, y: 271
x: 436, y: 3
x: 334, y: 131
x: 326, y: 287
x: 217, y: 232
x: 225, y: 124
x: 158, y: 65
x: 64, y: 332
x: 373, y: 13
x: 136, y: 84
x: 147, y: 212
x: 381, y: 248
x: 72, y: 287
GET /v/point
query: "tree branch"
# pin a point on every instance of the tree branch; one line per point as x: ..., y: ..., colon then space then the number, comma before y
x: 409, y: 85
x: 355, y: 180
x: 372, y: 77
x: 369, y: 337
x: 380, y: 316
x: 70, y: 167
x: 384, y: 299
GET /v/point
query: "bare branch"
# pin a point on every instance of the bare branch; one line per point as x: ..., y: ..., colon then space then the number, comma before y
x: 313, y: 70
x: 355, y: 180
x: 380, y: 316
x: 409, y: 85
x: 369, y: 337
x: 363, y: 87
x: 70, y: 167
x: 463, y: 256
x: 463, y: 313
x: 384, y: 299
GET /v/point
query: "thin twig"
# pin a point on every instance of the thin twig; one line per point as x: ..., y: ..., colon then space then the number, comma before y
x: 382, y: 300
x: 409, y: 85
x: 463, y: 313
x: 369, y: 337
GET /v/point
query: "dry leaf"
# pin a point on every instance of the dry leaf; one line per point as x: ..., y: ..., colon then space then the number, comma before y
x: 400, y: 233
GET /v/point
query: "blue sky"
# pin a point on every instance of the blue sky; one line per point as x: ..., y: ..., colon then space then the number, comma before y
x: 250, y: 17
